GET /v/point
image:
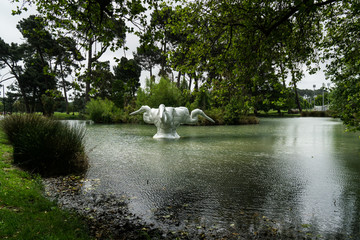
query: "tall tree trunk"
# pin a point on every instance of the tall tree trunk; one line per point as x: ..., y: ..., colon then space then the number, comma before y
x: 190, y: 80
x: 296, y: 93
x: 64, y: 87
x: 283, y: 75
x: 196, y: 82
x: 22, y: 90
x: 163, y: 59
x: 26, y: 101
x: 89, y: 72
x: 23, y: 94
x: 178, y: 79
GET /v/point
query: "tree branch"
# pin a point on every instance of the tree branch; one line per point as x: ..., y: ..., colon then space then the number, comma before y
x: 291, y: 12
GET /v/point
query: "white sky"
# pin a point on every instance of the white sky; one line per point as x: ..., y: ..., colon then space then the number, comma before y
x: 10, y: 33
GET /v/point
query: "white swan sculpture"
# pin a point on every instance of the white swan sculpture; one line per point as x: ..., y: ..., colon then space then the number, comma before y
x: 167, y: 119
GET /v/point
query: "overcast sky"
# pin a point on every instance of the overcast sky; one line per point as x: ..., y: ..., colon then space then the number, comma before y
x: 10, y: 33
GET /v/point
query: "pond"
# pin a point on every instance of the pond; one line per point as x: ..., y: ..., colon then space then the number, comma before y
x: 284, y: 174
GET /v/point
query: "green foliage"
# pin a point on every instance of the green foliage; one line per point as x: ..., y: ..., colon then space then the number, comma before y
x: 92, y: 22
x: 164, y: 92
x: 46, y: 146
x: 346, y: 101
x: 49, y: 101
x: 34, y: 64
x: 70, y: 116
x: 217, y: 114
x: 221, y: 117
x: 101, y: 111
x: 105, y: 111
x: 102, y: 80
x: 235, y: 110
x: 342, y: 50
x: 243, y: 48
x: 147, y: 54
x: 25, y: 213
x: 244, y: 59
x: 315, y: 114
x: 202, y: 99
x: 126, y: 81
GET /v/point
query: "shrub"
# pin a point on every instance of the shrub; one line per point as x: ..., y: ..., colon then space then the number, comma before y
x: 217, y: 114
x: 45, y: 146
x: 244, y: 120
x: 164, y: 92
x: 102, y: 111
x: 315, y: 114
x: 202, y: 99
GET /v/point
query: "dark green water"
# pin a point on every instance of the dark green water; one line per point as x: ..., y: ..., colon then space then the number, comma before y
x: 298, y: 174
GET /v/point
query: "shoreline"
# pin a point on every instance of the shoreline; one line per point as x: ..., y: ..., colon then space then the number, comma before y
x: 108, y: 217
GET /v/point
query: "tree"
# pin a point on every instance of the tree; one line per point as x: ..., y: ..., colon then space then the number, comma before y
x: 11, y: 56
x: 103, y: 80
x: 36, y: 63
x: 36, y: 83
x: 39, y: 74
x: 164, y: 92
x: 342, y: 50
x: 67, y: 56
x: 148, y: 55
x: 158, y: 39
x: 92, y: 22
x: 240, y: 42
x: 126, y: 81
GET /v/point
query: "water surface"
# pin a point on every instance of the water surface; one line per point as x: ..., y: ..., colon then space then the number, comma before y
x: 291, y: 173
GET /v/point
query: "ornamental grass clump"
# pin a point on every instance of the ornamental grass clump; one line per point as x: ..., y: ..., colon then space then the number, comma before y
x: 45, y: 146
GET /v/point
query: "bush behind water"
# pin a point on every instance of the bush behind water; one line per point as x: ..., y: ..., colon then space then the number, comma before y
x: 45, y: 146
x: 104, y: 111
x: 219, y: 116
x: 315, y: 114
x: 101, y: 110
x: 165, y: 92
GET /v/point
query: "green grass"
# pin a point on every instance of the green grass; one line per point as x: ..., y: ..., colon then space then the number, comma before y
x: 24, y: 212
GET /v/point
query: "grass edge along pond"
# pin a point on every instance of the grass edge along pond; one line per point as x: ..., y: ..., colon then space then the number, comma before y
x: 25, y: 213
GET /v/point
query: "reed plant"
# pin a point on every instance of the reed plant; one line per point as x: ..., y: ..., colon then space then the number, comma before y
x: 45, y: 146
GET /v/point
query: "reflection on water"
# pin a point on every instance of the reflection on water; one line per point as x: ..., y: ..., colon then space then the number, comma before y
x: 296, y: 172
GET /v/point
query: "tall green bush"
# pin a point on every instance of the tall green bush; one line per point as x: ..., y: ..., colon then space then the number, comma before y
x: 45, y: 146
x: 202, y: 99
x: 102, y: 110
x: 164, y: 92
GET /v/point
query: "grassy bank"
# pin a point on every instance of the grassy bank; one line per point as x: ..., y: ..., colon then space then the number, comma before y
x: 24, y: 212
